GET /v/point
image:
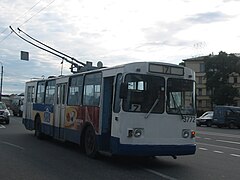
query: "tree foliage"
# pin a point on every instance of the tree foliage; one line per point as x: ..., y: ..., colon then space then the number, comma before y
x: 218, y: 70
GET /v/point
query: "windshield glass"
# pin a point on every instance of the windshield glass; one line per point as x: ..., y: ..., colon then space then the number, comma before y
x: 144, y: 93
x: 2, y: 106
x: 180, y: 96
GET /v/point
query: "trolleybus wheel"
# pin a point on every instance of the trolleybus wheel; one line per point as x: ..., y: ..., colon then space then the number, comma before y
x: 231, y: 125
x: 90, y: 142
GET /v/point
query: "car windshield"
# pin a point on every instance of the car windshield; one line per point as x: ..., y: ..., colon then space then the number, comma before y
x: 2, y: 106
x: 180, y: 96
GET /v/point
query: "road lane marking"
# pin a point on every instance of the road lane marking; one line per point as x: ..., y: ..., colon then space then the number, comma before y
x: 2, y: 126
x: 219, y: 152
x: 231, y: 142
x: 235, y: 155
x: 208, y: 138
x: 225, y: 147
x: 160, y: 174
x: 219, y: 134
x: 12, y: 145
x: 204, y: 149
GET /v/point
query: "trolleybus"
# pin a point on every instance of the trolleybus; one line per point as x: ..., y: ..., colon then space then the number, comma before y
x: 136, y: 109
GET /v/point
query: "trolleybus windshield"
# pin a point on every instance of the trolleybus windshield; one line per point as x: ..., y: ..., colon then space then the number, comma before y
x: 180, y: 96
x: 142, y: 92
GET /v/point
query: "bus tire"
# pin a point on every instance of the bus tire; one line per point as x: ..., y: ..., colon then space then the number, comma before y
x: 7, y: 121
x: 231, y: 125
x: 90, y: 144
x: 38, y: 128
x: 209, y: 123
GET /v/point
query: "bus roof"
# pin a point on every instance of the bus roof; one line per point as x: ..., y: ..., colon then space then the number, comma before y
x: 132, y: 65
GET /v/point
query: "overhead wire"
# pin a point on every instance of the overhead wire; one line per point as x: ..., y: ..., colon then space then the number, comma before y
x: 28, y: 18
x: 62, y: 57
x: 51, y: 47
x: 21, y: 16
x: 5, y: 37
x: 37, y: 13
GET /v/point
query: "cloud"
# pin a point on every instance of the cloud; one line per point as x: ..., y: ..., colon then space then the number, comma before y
x: 208, y: 17
x: 111, y: 31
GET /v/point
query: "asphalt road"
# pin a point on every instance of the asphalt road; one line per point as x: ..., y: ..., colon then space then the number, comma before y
x: 22, y: 156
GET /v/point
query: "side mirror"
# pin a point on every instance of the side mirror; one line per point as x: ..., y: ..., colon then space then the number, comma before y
x: 123, y: 90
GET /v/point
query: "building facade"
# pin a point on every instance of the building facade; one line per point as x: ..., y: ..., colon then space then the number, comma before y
x: 203, y: 95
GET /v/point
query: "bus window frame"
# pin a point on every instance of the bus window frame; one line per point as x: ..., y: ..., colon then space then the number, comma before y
x: 86, y: 102
x: 117, y: 92
x: 178, y: 108
x: 81, y: 90
x: 161, y: 92
x: 44, y: 91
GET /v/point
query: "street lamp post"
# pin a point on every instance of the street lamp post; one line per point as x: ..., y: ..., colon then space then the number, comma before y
x: 1, y: 83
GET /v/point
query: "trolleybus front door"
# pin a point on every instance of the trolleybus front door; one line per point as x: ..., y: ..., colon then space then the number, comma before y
x: 107, y: 112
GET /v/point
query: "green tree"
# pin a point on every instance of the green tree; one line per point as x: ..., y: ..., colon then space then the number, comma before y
x: 218, y: 70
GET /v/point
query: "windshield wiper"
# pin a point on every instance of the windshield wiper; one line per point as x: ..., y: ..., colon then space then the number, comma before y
x: 153, y: 106
x: 175, y: 104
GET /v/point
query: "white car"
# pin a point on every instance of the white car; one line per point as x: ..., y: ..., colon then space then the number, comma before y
x: 4, y: 113
x: 205, y: 119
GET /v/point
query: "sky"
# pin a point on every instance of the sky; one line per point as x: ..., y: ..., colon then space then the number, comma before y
x: 113, y: 32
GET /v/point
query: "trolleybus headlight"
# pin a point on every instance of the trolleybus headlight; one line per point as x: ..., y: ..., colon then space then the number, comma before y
x: 138, y: 132
x: 185, y: 133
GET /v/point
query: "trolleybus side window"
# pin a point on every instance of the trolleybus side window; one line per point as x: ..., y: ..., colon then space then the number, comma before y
x: 30, y: 94
x: 92, y: 89
x: 144, y: 94
x: 50, y: 91
x: 61, y: 91
x: 40, y: 92
x: 117, y: 93
x: 75, y: 90
x: 180, y: 96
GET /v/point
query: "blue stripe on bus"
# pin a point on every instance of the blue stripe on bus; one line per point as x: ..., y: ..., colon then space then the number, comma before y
x: 28, y: 123
x: 43, y: 107
x: 151, y: 150
x: 68, y: 134
x: 116, y: 147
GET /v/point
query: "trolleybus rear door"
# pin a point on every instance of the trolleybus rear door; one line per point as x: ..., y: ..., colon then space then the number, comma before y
x: 60, y: 111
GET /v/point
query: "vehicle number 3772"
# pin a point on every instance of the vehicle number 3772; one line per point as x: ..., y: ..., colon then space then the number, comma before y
x: 189, y: 119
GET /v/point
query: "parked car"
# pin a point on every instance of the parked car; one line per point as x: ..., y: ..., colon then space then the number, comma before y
x: 205, y: 119
x: 4, y: 113
x: 226, y: 116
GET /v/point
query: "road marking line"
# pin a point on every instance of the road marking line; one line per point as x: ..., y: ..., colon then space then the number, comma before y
x: 2, y: 126
x: 219, y: 152
x: 160, y: 174
x: 13, y: 145
x: 231, y: 142
x: 219, y: 134
x: 204, y: 149
x: 207, y: 138
x: 219, y: 146
x: 235, y: 155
